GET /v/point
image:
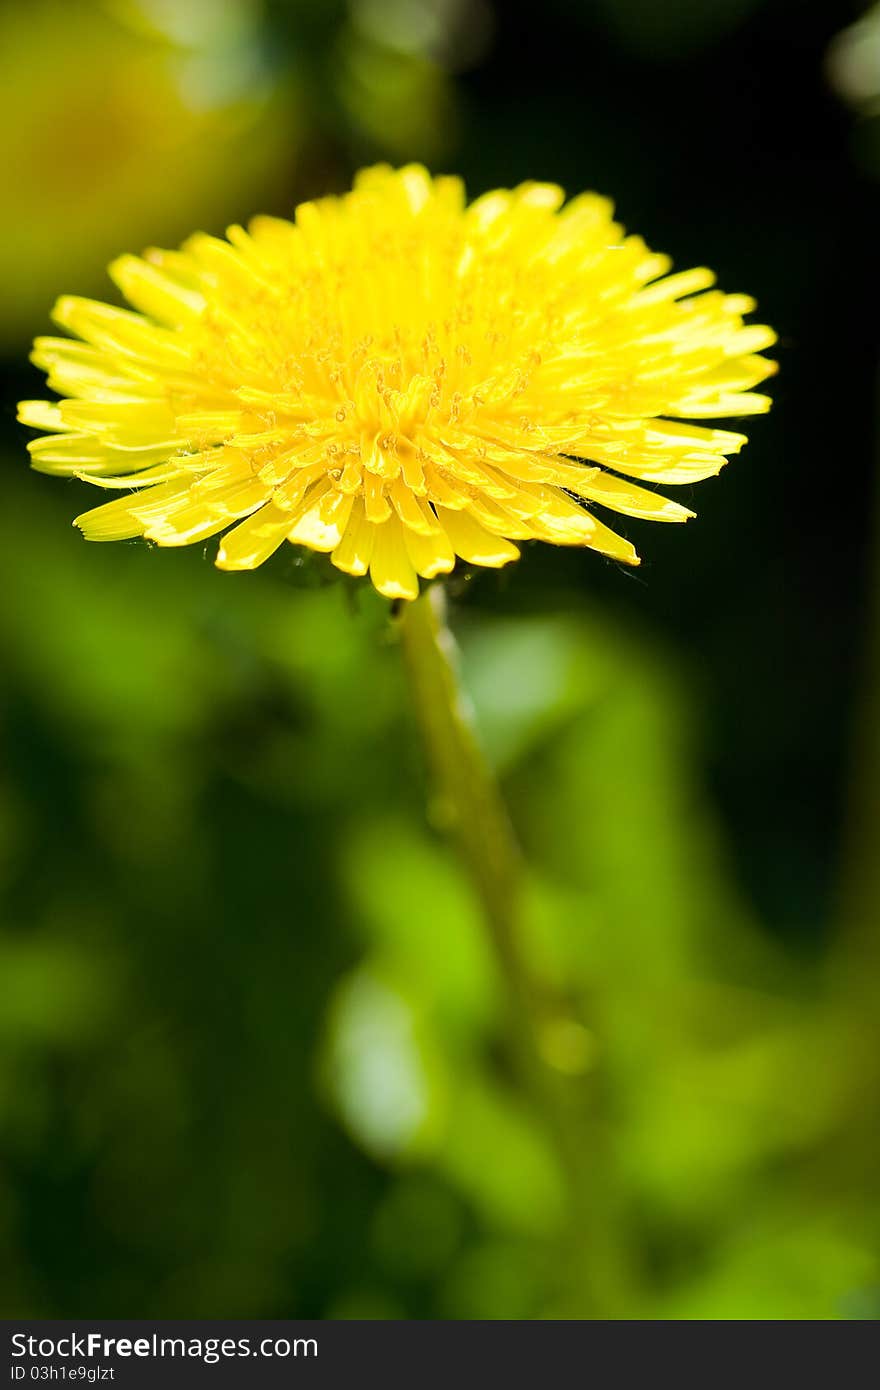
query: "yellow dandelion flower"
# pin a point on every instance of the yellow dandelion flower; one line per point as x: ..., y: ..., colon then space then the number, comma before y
x: 399, y: 379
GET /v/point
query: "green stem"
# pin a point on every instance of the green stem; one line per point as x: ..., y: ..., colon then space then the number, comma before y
x: 468, y: 796
x: 475, y: 813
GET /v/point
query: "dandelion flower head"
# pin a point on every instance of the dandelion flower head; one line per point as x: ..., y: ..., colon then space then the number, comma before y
x: 399, y: 379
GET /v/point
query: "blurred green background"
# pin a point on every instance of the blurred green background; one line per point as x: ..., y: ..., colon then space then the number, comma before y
x: 252, y: 1052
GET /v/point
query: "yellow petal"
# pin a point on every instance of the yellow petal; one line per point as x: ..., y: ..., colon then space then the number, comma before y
x: 162, y: 473
x: 391, y: 569
x: 497, y: 518
x: 607, y: 542
x: 133, y: 423
x: 214, y: 424
x: 430, y: 553
x: 157, y: 503
x: 186, y: 526
x: 375, y: 501
x: 473, y: 542
x: 699, y: 438
x: 40, y: 415
x: 680, y: 468
x: 289, y: 496
x: 675, y: 286
x: 104, y: 326
x: 413, y: 512
x: 322, y: 524
x: 722, y: 405
x: 254, y: 540
x: 625, y: 497
x: 67, y: 454
x: 440, y: 490
x: 354, y: 551
x: 111, y: 522
x: 563, y: 522
x: 156, y: 292
x: 237, y: 500
x: 561, y: 525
